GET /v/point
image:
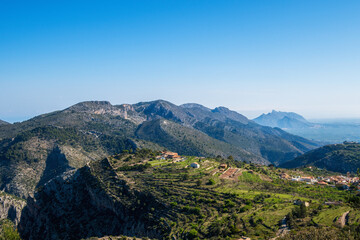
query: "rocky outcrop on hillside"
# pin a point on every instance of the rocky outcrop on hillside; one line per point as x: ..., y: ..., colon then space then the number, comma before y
x: 11, y: 207
x: 91, y: 201
x: 29, y: 162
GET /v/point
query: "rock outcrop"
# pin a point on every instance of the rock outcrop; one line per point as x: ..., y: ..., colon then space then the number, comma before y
x: 91, y: 201
x: 11, y: 207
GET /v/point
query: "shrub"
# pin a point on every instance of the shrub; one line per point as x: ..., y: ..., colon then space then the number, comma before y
x: 211, y: 182
x: 192, y: 234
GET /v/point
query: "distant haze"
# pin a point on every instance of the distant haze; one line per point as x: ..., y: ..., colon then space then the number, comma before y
x: 250, y: 56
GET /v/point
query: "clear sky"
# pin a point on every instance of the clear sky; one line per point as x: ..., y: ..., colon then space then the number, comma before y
x: 251, y: 56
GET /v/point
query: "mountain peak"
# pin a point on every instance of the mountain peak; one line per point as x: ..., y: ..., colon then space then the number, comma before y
x: 195, y: 105
x: 282, y: 120
x: 96, y: 107
x: 90, y: 104
x: 221, y: 109
x: 230, y: 114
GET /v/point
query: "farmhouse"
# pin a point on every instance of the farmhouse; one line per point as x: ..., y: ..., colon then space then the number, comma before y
x: 168, y: 155
x: 223, y: 166
x: 195, y: 165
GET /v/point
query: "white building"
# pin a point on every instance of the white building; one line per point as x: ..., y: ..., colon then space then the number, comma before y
x: 195, y: 165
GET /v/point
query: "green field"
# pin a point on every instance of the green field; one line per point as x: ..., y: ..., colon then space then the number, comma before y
x: 251, y: 205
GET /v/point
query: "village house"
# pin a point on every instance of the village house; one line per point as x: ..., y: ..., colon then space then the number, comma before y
x: 322, y: 183
x: 194, y: 165
x: 171, y: 155
x: 284, y: 176
x: 223, y: 166
x: 308, y: 179
x: 296, y: 178
x: 299, y: 202
x: 168, y: 155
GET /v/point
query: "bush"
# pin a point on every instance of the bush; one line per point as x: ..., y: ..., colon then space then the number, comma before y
x: 7, y: 231
x: 192, y: 234
x: 211, y: 182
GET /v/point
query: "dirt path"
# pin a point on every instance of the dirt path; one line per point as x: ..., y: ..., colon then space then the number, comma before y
x: 283, y: 230
x: 343, y: 219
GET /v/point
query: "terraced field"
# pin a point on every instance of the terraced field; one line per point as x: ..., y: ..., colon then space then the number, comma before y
x: 243, y: 200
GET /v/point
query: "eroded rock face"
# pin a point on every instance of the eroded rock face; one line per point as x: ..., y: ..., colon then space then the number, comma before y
x: 11, y: 207
x: 88, y: 202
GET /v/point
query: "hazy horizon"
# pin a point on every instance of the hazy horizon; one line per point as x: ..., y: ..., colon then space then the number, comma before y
x: 249, y: 56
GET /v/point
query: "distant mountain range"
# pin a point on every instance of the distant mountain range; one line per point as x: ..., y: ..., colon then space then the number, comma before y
x: 283, y: 120
x: 326, y: 132
x: 343, y: 158
x: 35, y: 151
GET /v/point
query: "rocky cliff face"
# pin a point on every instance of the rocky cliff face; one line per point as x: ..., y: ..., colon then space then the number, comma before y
x: 11, y: 207
x: 29, y: 163
x: 92, y: 201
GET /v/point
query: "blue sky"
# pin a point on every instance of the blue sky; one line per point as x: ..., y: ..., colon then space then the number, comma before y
x: 251, y: 56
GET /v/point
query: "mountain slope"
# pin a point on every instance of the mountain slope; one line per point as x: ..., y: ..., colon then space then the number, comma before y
x: 100, y: 117
x: 275, y: 145
x: 191, y: 142
x: 87, y: 116
x: 34, y: 151
x: 3, y: 122
x: 337, y: 157
x: 36, y: 156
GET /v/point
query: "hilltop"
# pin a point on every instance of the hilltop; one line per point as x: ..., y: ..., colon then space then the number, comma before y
x: 336, y: 157
x: 34, y: 151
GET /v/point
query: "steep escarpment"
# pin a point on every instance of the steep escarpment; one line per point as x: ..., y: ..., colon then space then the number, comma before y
x: 11, y: 207
x: 92, y: 201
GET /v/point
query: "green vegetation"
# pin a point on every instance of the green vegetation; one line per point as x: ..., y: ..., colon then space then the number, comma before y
x: 206, y: 205
x: 328, y: 216
x: 249, y: 177
x: 7, y: 231
x: 336, y: 157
